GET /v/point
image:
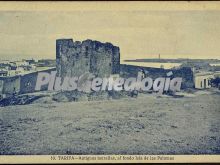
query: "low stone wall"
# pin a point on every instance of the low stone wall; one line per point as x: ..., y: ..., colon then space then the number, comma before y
x: 21, y: 84
x: 185, y: 72
x: 28, y: 81
x: 10, y: 85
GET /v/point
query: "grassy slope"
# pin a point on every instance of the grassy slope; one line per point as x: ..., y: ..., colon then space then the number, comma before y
x: 146, y: 125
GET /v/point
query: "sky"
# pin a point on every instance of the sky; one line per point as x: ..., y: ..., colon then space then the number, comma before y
x: 139, y: 31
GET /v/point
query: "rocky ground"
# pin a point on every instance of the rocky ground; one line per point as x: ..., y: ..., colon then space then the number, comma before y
x: 145, y: 125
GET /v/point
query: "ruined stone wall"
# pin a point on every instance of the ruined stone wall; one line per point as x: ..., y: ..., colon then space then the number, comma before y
x: 10, y: 85
x: 1, y: 86
x: 77, y: 58
x: 21, y: 83
x: 28, y: 81
x: 185, y: 72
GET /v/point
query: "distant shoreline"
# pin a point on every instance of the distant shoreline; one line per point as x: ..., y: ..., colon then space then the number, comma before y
x: 164, y: 60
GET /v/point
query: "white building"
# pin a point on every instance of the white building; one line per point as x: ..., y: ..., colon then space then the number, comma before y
x: 202, y: 80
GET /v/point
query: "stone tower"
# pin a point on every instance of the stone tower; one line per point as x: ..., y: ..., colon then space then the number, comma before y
x: 77, y: 58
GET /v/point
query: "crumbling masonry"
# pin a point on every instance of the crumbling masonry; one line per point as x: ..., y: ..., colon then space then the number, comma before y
x: 77, y: 58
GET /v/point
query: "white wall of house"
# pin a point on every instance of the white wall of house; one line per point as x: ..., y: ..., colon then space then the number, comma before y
x: 203, y: 81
